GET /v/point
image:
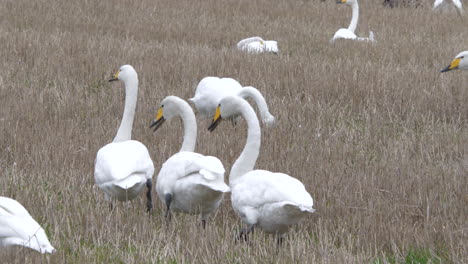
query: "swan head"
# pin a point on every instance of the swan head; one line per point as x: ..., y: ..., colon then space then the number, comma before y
x: 348, y: 2
x: 460, y: 62
x: 170, y: 107
x: 228, y: 106
x: 40, y: 242
x: 125, y: 74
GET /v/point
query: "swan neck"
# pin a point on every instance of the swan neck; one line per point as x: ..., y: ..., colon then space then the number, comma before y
x: 253, y: 93
x: 131, y: 94
x: 190, y: 129
x: 248, y: 157
x: 354, y: 19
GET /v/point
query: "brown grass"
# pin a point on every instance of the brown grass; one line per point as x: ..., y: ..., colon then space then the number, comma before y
x: 378, y: 136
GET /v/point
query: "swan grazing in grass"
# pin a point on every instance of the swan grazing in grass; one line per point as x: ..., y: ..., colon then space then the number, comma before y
x: 211, y: 90
x: 460, y: 62
x: 258, y: 45
x: 439, y: 3
x: 18, y: 228
x: 348, y: 33
x: 124, y: 167
x: 188, y: 182
x: 269, y: 200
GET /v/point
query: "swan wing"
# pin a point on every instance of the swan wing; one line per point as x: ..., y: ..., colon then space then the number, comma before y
x: 117, y: 161
x: 271, y: 46
x: 260, y: 187
x: 205, y: 170
x: 10, y: 207
x: 343, y: 33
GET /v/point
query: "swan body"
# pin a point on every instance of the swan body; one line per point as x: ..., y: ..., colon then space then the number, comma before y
x: 257, y: 45
x: 17, y: 227
x: 188, y: 182
x: 459, y: 62
x: 124, y: 167
x: 348, y: 33
x: 269, y: 200
x: 211, y: 90
x: 439, y: 3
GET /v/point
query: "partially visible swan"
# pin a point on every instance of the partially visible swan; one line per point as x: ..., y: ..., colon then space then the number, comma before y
x: 18, y: 228
x: 460, y: 62
x: 258, y: 45
x: 348, y: 33
x: 188, y: 182
x: 210, y: 90
x: 124, y: 167
x: 457, y: 3
x: 269, y: 200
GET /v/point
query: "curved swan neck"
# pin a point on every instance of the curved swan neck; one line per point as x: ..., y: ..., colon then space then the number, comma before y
x: 253, y: 93
x: 354, y: 19
x: 131, y: 94
x: 190, y: 127
x: 248, y: 157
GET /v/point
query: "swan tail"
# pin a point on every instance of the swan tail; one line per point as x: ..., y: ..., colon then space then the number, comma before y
x: 129, y: 182
x: 295, y: 209
x: 216, y: 187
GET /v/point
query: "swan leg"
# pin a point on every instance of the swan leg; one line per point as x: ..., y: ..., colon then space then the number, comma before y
x: 203, y: 223
x: 244, y: 232
x: 279, y: 240
x: 168, y: 198
x: 149, y: 200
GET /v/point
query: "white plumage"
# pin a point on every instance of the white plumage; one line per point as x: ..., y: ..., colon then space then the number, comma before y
x: 18, y: 228
x: 188, y: 182
x: 271, y: 201
x: 210, y: 91
x: 349, y: 33
x: 257, y: 45
x: 440, y: 3
x: 124, y: 167
x: 459, y: 62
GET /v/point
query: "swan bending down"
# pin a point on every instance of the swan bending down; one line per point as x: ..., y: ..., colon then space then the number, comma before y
x: 460, y: 62
x: 258, y: 45
x: 211, y: 90
x: 188, y: 182
x: 348, y: 33
x: 124, y: 167
x: 457, y: 3
x: 18, y: 228
x: 272, y: 201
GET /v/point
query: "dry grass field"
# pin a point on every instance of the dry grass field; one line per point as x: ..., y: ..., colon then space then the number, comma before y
x: 378, y: 136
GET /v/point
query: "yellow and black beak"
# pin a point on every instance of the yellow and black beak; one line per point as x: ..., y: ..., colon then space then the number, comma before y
x: 159, y: 120
x: 216, y: 119
x: 340, y: 1
x: 115, y: 77
x: 453, y: 66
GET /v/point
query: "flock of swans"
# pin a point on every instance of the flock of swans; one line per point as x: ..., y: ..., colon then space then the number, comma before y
x: 190, y: 182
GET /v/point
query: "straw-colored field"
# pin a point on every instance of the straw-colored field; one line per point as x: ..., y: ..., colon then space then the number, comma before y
x: 377, y: 135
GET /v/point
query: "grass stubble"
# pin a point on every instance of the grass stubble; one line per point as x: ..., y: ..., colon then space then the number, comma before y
x: 376, y: 134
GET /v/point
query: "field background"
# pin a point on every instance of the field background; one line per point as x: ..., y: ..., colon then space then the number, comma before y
x: 378, y: 136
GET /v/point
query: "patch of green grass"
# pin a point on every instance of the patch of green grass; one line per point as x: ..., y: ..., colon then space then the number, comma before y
x: 413, y: 256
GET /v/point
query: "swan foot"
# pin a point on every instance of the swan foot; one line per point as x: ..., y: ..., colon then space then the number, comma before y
x: 149, y: 200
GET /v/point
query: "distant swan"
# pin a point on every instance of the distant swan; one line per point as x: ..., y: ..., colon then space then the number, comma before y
x: 457, y: 3
x: 258, y: 45
x: 210, y: 90
x: 18, y: 228
x: 272, y: 201
x: 188, y: 182
x: 348, y: 33
x: 460, y: 62
x: 124, y: 167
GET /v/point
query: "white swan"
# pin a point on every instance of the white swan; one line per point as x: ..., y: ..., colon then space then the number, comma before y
x: 258, y: 45
x: 348, y: 33
x: 457, y: 3
x: 124, y: 167
x: 18, y: 228
x: 211, y: 90
x: 271, y: 201
x: 459, y: 62
x: 188, y: 182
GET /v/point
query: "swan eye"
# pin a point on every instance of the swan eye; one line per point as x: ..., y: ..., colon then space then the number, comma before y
x: 462, y: 57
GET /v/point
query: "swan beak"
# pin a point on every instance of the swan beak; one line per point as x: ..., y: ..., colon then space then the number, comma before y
x: 453, y: 66
x: 216, y: 119
x: 115, y: 77
x: 159, y: 120
x: 341, y: 1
